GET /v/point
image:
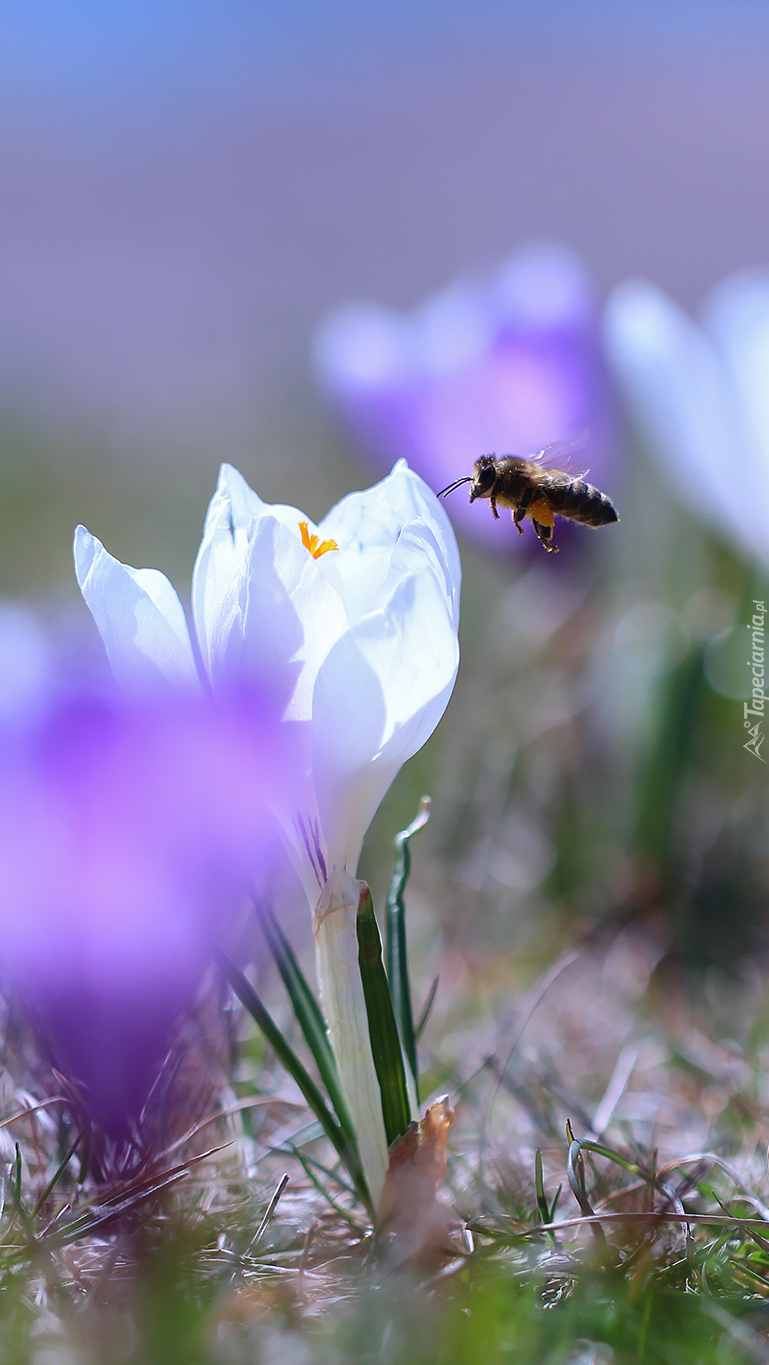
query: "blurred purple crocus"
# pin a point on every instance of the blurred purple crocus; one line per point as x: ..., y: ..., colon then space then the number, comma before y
x: 504, y: 366
x: 129, y: 835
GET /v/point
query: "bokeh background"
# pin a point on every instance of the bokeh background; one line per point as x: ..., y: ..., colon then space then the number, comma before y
x: 189, y: 188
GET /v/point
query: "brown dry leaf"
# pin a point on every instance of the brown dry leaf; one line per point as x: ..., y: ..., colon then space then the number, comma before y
x: 412, y: 1222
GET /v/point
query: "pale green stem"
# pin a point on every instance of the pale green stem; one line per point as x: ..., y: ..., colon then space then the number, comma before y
x: 344, y: 1007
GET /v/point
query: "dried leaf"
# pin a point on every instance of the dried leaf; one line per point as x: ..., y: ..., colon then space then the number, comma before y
x: 412, y: 1222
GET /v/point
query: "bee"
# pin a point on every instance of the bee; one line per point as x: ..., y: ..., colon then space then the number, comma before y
x: 532, y: 489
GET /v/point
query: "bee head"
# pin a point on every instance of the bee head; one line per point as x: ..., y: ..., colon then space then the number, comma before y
x: 484, y: 477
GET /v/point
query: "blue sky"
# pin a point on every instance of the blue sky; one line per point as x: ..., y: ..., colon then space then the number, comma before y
x: 189, y: 184
x: 116, y: 51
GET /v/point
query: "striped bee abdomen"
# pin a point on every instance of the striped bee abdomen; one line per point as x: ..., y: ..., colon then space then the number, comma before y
x: 579, y: 501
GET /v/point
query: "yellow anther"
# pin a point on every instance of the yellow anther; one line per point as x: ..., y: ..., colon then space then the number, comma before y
x: 313, y: 544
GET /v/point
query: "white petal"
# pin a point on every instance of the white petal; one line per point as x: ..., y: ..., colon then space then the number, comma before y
x: 138, y: 614
x: 378, y: 697
x: 278, y: 622
x: 291, y: 615
x: 369, y: 524
x: 358, y: 576
x: 420, y: 640
x: 417, y: 548
x: 232, y: 514
x: 737, y: 319
x: 681, y: 396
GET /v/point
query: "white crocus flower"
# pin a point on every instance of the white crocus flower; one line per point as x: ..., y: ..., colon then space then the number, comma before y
x: 700, y: 395
x: 354, y: 623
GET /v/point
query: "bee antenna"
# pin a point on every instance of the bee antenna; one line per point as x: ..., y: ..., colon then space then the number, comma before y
x: 457, y: 484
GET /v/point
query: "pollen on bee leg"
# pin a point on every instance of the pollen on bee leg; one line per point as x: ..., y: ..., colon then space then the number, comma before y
x: 313, y: 543
x: 541, y: 511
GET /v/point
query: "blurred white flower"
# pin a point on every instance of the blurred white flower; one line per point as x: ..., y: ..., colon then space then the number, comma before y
x: 700, y: 395
x: 352, y: 625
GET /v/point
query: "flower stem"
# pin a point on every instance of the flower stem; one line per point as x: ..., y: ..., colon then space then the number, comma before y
x: 344, y: 1006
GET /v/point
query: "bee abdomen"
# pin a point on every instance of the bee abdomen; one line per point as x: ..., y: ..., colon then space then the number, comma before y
x: 581, y: 502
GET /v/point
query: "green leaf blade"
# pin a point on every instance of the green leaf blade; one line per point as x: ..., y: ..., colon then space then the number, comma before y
x: 345, y: 1148
x: 383, y: 1030
x: 308, y: 1014
x: 397, y: 952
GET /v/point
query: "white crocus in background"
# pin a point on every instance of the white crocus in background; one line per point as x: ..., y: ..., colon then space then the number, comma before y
x: 354, y: 624
x: 700, y: 396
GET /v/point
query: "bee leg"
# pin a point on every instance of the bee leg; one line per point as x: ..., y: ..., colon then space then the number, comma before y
x: 522, y: 509
x: 494, y: 507
x: 545, y: 534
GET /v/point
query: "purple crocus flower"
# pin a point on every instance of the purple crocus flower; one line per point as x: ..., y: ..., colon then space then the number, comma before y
x: 505, y: 366
x: 129, y: 834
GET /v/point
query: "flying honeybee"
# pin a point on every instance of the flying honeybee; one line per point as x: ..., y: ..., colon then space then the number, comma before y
x: 532, y: 488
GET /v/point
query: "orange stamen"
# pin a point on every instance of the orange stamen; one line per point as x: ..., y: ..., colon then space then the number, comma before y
x: 313, y: 544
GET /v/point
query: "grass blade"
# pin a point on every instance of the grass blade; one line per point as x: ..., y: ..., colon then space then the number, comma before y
x: 56, y: 1177
x: 269, y: 1211
x: 308, y: 1014
x: 575, y: 1170
x: 397, y: 953
x: 312, y: 1177
x: 539, y: 1186
x: 21, y: 1212
x: 545, y: 1211
x: 383, y: 1030
x: 343, y: 1145
x: 427, y: 1010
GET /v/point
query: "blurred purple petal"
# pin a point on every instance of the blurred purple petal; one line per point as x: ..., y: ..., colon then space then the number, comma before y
x: 129, y: 837
x: 505, y: 367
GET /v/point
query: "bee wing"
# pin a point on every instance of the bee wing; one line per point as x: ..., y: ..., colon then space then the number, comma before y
x: 559, y: 454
